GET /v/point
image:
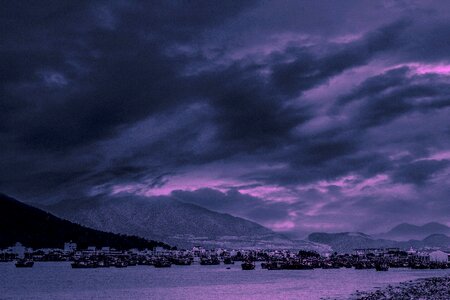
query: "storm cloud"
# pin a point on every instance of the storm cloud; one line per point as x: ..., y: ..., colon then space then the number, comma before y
x: 299, y: 115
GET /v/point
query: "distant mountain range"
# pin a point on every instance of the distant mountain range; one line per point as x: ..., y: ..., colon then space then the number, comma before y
x: 405, y: 231
x: 174, y: 222
x: 38, y: 229
x: 348, y: 241
x: 180, y: 224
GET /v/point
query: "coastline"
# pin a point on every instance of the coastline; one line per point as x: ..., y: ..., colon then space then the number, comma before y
x: 434, y: 288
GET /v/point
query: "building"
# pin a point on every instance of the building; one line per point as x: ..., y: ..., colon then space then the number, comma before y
x: 70, y: 247
x: 19, y: 250
x: 439, y: 256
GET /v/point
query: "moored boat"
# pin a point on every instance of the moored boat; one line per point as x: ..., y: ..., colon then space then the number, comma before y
x: 182, y: 261
x: 382, y: 267
x: 248, y: 265
x: 209, y: 261
x: 162, y: 263
x: 274, y: 265
x: 83, y: 264
x: 24, y: 263
x: 228, y: 261
x: 120, y: 264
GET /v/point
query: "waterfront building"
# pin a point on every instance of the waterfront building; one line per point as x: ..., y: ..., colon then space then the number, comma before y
x: 439, y: 256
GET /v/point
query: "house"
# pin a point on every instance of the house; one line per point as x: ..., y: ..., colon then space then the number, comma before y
x: 70, y: 247
x: 439, y: 256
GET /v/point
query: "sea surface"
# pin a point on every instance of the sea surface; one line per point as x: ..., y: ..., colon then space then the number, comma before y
x: 56, y: 280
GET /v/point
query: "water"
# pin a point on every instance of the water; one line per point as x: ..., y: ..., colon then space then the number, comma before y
x: 58, y: 281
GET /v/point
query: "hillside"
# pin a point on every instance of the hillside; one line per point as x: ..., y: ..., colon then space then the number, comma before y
x: 348, y: 241
x: 178, y: 223
x: 38, y: 229
x: 405, y: 231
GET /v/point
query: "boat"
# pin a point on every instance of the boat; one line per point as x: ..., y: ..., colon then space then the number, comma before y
x: 274, y: 265
x: 381, y: 267
x: 209, y: 261
x: 162, y: 263
x: 228, y: 261
x: 145, y: 262
x: 330, y: 265
x: 248, y: 265
x: 363, y: 266
x: 132, y: 263
x: 419, y: 266
x: 103, y: 264
x: 24, y: 263
x: 83, y: 264
x: 295, y: 265
x: 120, y: 264
x: 182, y: 261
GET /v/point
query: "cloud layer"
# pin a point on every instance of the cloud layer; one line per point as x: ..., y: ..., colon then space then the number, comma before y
x: 301, y: 116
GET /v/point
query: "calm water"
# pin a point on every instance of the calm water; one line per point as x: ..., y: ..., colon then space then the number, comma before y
x: 59, y: 281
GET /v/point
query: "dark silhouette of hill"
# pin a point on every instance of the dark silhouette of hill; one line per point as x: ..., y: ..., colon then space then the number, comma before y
x: 405, y: 231
x: 168, y: 220
x: 35, y: 228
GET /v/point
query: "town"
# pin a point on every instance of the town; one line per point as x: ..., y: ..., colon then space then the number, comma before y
x: 379, y: 259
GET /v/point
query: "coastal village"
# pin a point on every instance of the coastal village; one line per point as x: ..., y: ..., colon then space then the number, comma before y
x: 379, y: 259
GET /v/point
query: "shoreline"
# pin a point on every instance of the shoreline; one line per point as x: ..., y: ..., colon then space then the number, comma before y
x: 434, y: 288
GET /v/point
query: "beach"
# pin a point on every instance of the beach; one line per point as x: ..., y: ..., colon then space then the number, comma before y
x: 437, y: 288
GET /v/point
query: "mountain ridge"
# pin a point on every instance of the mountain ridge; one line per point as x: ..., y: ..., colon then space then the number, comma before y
x: 348, y: 241
x: 172, y: 221
x: 407, y: 231
x: 33, y: 227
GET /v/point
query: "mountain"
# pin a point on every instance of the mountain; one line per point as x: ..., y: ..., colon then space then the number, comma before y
x: 38, y: 229
x: 437, y: 240
x: 405, y: 231
x: 169, y: 220
x: 348, y: 241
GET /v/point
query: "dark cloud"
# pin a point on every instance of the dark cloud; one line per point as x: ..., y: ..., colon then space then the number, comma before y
x: 286, y: 114
x: 308, y: 70
x: 419, y: 172
x: 235, y: 203
x: 397, y: 92
x: 83, y: 80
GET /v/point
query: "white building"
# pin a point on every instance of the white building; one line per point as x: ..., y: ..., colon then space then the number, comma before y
x: 19, y: 250
x: 70, y: 247
x: 439, y: 256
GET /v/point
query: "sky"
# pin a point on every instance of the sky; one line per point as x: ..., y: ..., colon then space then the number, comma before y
x: 299, y: 115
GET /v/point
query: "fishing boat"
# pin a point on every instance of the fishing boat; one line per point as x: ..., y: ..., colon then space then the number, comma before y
x: 84, y: 264
x: 274, y: 265
x: 182, y: 261
x: 382, y: 267
x: 209, y: 261
x: 248, y: 265
x: 228, y: 261
x: 162, y: 263
x: 296, y: 265
x: 120, y: 264
x: 24, y: 263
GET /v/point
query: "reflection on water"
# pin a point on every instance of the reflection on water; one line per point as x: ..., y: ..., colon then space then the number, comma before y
x: 59, y: 281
